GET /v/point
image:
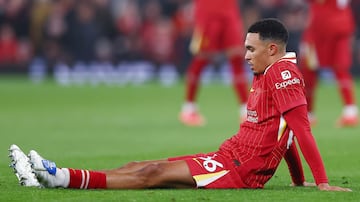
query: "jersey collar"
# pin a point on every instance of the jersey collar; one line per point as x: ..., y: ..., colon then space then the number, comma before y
x: 289, y: 56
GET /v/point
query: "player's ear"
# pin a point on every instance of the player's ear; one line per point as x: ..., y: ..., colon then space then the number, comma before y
x: 272, y: 49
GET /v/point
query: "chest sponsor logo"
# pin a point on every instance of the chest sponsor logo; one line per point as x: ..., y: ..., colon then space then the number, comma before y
x: 252, y: 116
x: 287, y: 83
x: 285, y: 74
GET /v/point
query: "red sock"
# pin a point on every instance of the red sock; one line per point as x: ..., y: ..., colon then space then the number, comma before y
x: 346, y: 86
x: 342, y: 70
x: 85, y: 179
x: 193, y: 76
x: 240, y: 81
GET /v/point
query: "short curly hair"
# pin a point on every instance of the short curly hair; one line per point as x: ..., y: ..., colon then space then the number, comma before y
x: 270, y: 29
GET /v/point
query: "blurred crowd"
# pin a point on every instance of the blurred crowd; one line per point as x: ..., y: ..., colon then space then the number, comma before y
x: 108, y: 37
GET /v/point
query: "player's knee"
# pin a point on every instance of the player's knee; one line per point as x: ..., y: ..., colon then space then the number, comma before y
x: 150, y: 175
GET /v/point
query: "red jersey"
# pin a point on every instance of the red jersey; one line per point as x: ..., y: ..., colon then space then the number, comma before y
x: 329, y: 34
x: 218, y: 26
x: 276, y: 114
x: 264, y: 138
x: 331, y: 15
x: 222, y: 7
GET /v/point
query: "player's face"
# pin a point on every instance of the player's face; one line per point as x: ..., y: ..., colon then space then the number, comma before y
x: 257, y: 54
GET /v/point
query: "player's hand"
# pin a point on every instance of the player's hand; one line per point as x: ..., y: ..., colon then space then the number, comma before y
x: 327, y: 187
x: 304, y: 184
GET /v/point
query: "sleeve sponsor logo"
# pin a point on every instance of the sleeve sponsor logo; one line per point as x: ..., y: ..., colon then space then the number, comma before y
x: 287, y: 83
x: 285, y: 74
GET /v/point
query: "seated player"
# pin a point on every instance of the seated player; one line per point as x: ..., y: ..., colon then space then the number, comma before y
x: 276, y: 113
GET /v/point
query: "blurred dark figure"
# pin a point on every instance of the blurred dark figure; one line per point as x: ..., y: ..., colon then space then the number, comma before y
x: 83, y: 32
x: 128, y: 25
x: 54, y: 31
x: 16, y: 13
x: 270, y: 8
x: 355, y: 5
x: 16, y: 49
x: 158, y: 35
x: 105, y: 19
x: 184, y: 24
x: 293, y: 16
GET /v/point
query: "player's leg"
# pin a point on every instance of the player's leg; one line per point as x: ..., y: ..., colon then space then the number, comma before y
x: 189, y: 113
x: 233, y: 45
x: 203, y: 46
x: 341, y: 66
x: 240, y: 83
x: 311, y: 82
x: 166, y: 174
x: 309, y: 66
x: 193, y: 76
x: 133, y: 166
x: 149, y: 174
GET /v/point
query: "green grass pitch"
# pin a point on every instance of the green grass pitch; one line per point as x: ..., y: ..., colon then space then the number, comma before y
x: 105, y: 127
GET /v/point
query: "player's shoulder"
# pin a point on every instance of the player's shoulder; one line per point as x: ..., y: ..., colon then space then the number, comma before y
x: 284, y: 73
x: 282, y: 68
x: 287, y: 62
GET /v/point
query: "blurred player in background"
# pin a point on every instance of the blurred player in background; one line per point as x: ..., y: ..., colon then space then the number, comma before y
x: 276, y: 114
x: 327, y: 43
x: 218, y: 29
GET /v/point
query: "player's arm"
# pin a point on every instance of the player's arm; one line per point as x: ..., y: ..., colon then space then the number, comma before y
x: 293, y: 162
x: 298, y: 122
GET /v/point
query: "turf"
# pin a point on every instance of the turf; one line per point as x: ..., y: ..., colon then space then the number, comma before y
x: 105, y: 127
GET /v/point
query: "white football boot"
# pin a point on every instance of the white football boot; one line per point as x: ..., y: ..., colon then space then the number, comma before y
x: 47, y: 173
x: 22, y: 167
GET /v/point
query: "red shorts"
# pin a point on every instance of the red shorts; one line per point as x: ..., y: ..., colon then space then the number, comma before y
x: 217, y: 33
x: 332, y: 49
x: 213, y: 171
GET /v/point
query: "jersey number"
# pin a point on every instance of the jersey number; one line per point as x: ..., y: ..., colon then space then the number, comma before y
x: 210, y: 164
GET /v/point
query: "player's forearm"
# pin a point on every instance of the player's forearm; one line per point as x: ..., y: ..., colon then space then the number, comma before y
x: 298, y: 122
x: 293, y: 161
x: 313, y: 158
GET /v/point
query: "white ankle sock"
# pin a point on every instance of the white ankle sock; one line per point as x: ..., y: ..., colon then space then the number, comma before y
x: 189, y: 107
x: 350, y: 111
x: 62, y: 177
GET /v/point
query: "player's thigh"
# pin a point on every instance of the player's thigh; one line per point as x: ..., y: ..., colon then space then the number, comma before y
x: 132, y: 166
x: 176, y: 174
x: 207, y: 37
x: 324, y: 45
x: 215, y: 171
x: 342, y: 57
x: 334, y: 52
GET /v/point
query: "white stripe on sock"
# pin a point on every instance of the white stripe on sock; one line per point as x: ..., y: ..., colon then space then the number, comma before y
x: 87, y: 179
x: 82, y: 179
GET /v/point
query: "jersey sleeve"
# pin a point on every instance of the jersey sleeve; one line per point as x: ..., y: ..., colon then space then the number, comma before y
x: 298, y: 122
x: 286, y: 85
